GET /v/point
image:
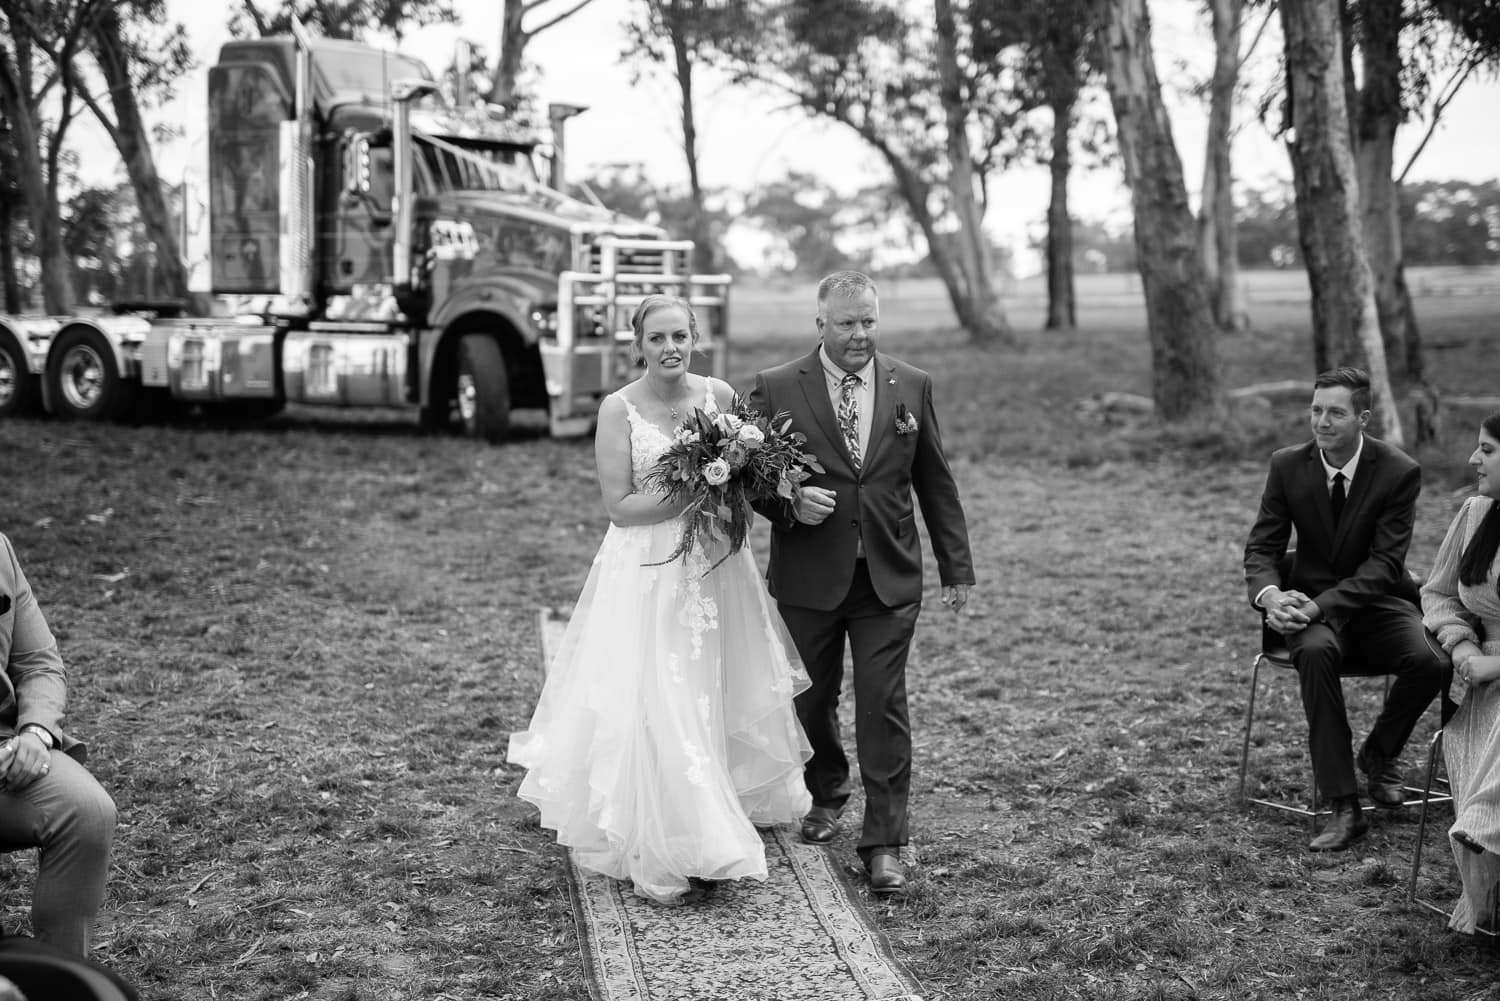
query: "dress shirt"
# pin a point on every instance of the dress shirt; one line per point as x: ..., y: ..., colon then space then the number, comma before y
x: 1347, y: 468
x: 864, y: 393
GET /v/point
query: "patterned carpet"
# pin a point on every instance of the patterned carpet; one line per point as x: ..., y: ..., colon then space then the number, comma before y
x: 802, y: 935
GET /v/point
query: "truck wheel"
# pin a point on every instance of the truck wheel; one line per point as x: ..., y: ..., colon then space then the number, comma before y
x: 17, y: 385
x: 483, y: 388
x: 83, y: 380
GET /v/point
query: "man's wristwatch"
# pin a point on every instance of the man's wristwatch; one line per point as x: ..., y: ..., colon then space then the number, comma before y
x: 42, y: 732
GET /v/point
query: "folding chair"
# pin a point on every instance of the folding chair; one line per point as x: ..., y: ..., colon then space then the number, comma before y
x: 1274, y: 653
x: 1434, y: 751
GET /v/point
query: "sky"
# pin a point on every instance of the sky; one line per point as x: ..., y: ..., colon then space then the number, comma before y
x: 747, y: 140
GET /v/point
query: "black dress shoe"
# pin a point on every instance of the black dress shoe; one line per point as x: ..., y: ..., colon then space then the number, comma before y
x: 820, y: 825
x: 1346, y: 826
x: 886, y: 874
x: 1383, y: 779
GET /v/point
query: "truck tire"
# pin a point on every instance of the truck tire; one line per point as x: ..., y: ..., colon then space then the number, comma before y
x: 483, y: 388
x: 18, y: 388
x: 83, y: 381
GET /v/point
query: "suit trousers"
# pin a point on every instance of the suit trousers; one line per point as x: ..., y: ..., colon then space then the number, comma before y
x: 1375, y: 642
x: 879, y: 638
x: 70, y: 819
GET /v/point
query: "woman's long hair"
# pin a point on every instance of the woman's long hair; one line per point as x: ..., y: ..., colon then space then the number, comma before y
x: 1479, y: 554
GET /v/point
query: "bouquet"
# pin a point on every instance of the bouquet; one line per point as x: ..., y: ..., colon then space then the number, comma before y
x: 720, y: 463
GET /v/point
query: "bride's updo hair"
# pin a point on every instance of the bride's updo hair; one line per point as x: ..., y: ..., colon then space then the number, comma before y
x: 651, y: 304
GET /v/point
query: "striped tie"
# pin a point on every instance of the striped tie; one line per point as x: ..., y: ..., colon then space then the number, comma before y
x: 849, y: 415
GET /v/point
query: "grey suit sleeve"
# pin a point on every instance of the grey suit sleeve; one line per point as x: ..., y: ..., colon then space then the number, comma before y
x: 937, y: 492
x: 34, y: 665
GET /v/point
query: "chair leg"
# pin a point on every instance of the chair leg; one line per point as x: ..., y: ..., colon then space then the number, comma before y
x: 1249, y: 722
x: 1434, y: 749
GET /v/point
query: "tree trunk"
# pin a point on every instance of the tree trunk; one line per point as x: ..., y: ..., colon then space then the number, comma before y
x: 130, y: 137
x: 1328, y: 202
x: 1380, y: 113
x: 1062, y: 313
x: 985, y: 318
x: 40, y: 195
x: 1217, y: 241
x: 513, y: 39
x: 703, y: 248
x: 1184, y: 350
x: 12, y: 285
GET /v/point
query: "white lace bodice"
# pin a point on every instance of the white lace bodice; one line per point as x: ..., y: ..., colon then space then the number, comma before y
x: 648, y: 442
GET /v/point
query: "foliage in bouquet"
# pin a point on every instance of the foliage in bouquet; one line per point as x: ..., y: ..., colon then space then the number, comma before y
x: 722, y: 462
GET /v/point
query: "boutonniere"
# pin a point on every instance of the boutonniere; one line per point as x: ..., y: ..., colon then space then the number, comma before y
x: 906, y: 421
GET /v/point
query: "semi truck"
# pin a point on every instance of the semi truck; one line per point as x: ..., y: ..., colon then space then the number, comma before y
x: 372, y: 243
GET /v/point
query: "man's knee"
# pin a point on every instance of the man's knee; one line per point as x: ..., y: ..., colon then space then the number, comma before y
x: 1317, y: 651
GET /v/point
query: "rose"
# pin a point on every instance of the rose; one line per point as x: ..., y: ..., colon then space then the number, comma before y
x: 716, y: 473
x: 729, y: 423
x: 752, y: 437
x: 736, y: 455
x: 685, y: 437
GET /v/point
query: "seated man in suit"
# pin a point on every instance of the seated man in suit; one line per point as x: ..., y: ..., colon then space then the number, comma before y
x: 48, y: 801
x: 1352, y: 500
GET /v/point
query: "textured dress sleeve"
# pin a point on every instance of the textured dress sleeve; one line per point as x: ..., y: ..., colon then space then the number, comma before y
x: 1443, y: 613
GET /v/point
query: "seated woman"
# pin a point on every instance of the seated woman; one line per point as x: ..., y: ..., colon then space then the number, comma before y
x: 1461, y: 606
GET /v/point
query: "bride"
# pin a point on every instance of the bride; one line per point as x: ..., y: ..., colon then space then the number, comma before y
x: 665, y: 730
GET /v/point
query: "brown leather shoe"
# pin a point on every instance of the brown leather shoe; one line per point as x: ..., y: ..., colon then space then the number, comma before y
x: 887, y: 875
x: 1346, y: 826
x: 1383, y: 779
x: 820, y: 825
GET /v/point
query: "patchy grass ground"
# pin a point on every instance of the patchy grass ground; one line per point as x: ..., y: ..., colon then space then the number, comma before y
x: 297, y: 653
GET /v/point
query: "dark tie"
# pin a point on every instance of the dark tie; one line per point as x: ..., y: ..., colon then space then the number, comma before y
x: 1336, y: 498
x: 849, y: 414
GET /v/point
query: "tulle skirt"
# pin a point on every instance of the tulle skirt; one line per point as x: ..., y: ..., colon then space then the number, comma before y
x: 665, y: 730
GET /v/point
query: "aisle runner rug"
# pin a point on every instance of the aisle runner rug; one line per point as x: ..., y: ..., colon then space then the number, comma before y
x: 802, y: 935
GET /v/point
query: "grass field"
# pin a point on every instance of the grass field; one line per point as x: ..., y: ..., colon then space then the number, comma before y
x: 297, y: 653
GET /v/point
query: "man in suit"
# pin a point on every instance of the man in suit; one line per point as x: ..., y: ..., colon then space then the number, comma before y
x: 48, y: 801
x: 846, y: 560
x: 1352, y: 500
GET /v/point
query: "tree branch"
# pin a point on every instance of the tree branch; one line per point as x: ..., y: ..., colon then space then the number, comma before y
x: 560, y: 17
x: 1445, y: 97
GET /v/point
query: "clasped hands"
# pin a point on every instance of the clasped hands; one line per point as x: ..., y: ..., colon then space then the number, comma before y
x: 23, y: 760
x: 813, y: 505
x: 1289, y: 612
x: 1475, y: 667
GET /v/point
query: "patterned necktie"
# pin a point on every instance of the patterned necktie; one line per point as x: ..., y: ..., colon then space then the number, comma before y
x: 1337, y: 497
x: 849, y: 415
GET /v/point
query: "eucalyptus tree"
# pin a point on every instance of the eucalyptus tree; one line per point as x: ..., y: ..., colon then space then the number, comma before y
x: 1053, y: 38
x: 348, y: 19
x: 38, y: 104
x: 908, y: 83
x: 520, y: 22
x: 139, y: 56
x: 680, y: 35
x: 1186, y: 382
x: 1346, y: 327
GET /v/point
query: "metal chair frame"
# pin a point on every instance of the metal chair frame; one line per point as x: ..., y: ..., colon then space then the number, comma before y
x: 1273, y: 651
x: 1434, y: 750
x: 1275, y: 654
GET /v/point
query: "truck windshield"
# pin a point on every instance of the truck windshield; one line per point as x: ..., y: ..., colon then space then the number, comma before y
x: 443, y: 166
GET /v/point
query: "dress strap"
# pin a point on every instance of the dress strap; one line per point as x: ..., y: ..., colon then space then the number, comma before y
x: 710, y: 401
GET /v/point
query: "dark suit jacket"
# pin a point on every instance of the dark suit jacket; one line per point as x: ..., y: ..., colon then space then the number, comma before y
x: 1361, y: 564
x: 33, y: 682
x: 811, y: 566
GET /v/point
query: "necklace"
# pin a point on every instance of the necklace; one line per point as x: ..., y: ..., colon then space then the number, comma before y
x: 651, y: 386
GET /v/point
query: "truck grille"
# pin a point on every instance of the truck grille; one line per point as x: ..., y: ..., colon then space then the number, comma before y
x: 640, y: 260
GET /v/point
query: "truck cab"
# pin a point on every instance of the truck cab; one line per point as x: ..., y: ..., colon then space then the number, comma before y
x: 370, y: 244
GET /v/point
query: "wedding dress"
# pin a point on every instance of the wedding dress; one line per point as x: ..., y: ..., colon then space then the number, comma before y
x: 665, y: 730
